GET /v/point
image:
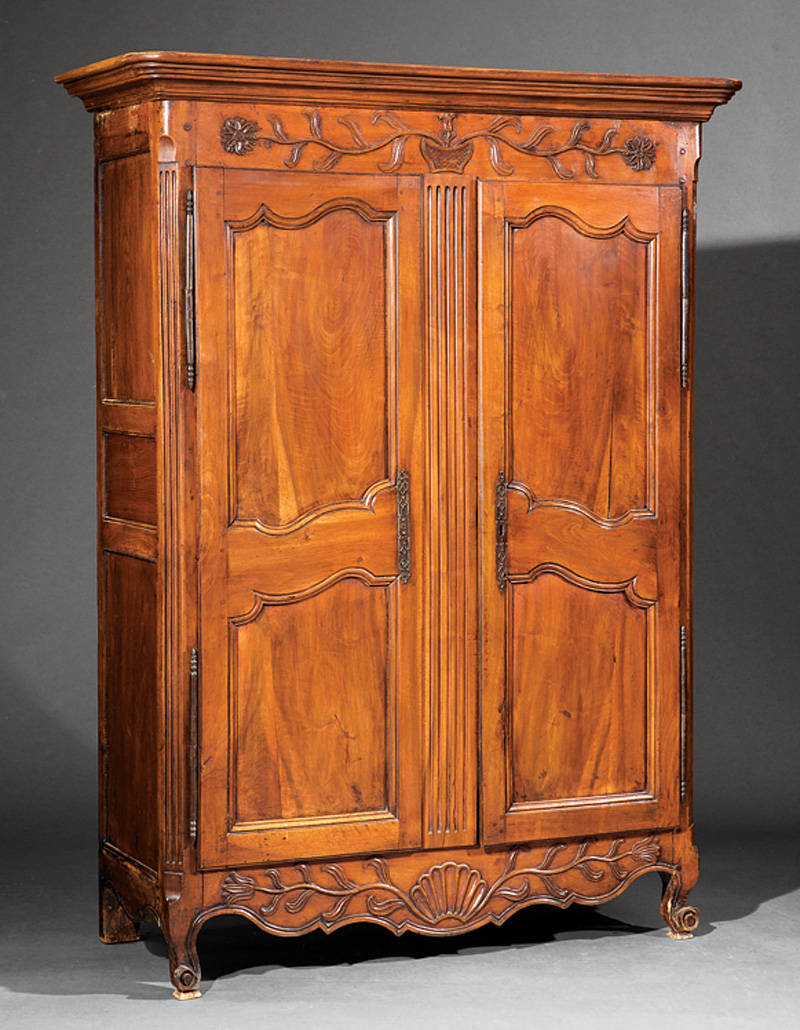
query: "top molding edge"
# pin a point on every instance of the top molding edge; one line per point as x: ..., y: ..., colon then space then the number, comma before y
x: 171, y: 75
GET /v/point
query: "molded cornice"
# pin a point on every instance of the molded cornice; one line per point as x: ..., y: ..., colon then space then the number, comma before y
x: 168, y: 75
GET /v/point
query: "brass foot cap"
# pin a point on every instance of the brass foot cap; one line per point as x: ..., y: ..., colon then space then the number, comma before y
x: 185, y: 995
x: 680, y: 935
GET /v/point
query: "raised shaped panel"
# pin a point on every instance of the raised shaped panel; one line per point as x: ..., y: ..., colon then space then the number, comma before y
x: 580, y: 367
x: 311, y: 725
x: 130, y: 477
x: 580, y: 689
x: 126, y: 324
x: 129, y: 726
x: 312, y: 344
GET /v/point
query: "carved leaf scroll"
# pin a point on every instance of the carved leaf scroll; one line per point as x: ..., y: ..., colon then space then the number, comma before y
x: 445, y: 151
x: 448, y: 892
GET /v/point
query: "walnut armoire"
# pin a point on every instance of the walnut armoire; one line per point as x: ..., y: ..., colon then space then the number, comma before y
x: 394, y: 435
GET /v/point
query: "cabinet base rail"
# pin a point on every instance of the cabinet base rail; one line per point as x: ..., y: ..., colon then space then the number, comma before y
x: 438, y: 893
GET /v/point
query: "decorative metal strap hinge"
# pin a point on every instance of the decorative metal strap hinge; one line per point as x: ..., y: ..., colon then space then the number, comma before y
x: 501, y: 528
x: 403, y: 526
x: 194, y: 662
x: 685, y: 256
x: 191, y: 367
x: 684, y: 712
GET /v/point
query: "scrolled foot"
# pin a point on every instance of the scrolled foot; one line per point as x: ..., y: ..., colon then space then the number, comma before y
x: 682, y: 919
x: 186, y: 981
x: 683, y: 922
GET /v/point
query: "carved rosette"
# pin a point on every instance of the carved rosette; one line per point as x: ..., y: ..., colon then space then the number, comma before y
x: 238, y: 136
x: 449, y: 897
x: 640, y: 153
x: 443, y: 151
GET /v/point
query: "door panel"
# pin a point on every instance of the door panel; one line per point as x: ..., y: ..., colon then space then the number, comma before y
x: 313, y: 432
x: 580, y: 360
x: 580, y: 495
x: 302, y: 752
x: 555, y: 721
x: 310, y: 541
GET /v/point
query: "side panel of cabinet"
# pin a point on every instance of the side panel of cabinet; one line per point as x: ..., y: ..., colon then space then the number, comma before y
x: 125, y: 313
x: 129, y: 717
x: 581, y: 509
x: 309, y: 400
x: 127, y: 504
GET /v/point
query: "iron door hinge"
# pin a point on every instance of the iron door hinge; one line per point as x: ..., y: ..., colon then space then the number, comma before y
x: 194, y: 677
x: 188, y: 293
x: 684, y: 688
x: 685, y: 261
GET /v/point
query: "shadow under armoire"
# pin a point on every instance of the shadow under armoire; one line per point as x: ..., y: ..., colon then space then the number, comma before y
x: 394, y: 449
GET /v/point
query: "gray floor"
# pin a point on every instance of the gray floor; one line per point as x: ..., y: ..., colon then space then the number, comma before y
x: 612, y: 966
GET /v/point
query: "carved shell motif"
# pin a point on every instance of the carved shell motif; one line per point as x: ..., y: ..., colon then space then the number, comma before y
x: 449, y: 890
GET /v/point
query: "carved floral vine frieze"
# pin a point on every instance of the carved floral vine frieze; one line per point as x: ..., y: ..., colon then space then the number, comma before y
x: 448, y: 891
x: 442, y: 151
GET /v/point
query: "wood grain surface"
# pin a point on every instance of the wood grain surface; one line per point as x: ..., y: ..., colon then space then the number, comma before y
x: 394, y: 491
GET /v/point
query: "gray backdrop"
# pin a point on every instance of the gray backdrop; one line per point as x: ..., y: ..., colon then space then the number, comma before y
x: 746, y: 653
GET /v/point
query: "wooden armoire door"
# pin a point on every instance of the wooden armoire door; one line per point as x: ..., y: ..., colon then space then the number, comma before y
x: 308, y: 312
x: 580, y: 511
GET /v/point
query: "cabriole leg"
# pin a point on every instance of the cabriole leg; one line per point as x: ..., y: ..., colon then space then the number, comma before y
x: 682, y: 919
x: 184, y: 970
